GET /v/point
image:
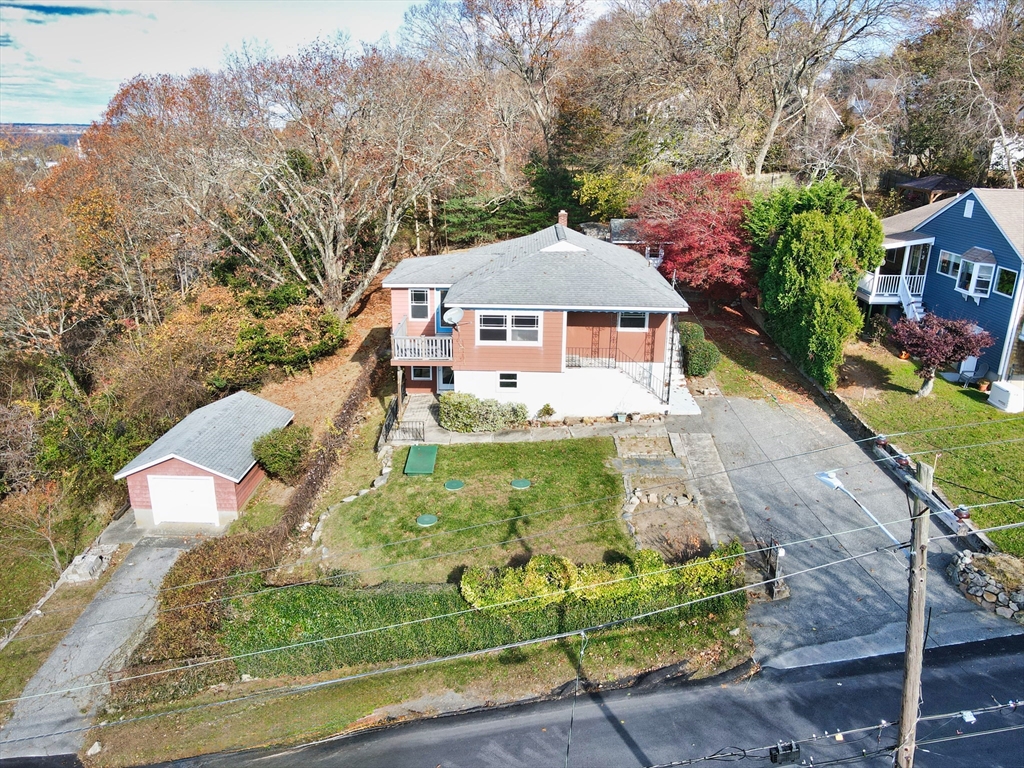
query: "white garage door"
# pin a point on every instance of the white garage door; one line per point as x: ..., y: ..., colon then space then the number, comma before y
x: 183, y: 500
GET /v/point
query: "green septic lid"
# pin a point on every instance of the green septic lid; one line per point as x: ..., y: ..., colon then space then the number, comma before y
x: 454, y: 485
x: 520, y: 484
x: 425, y: 521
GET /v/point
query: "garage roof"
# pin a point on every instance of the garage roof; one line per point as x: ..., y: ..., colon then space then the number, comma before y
x: 217, y: 437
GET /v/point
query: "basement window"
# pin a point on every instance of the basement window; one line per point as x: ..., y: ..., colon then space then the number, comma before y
x: 422, y: 373
x: 508, y: 380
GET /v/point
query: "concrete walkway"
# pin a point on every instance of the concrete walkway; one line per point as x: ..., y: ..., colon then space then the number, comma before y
x: 99, y: 642
x: 840, y: 612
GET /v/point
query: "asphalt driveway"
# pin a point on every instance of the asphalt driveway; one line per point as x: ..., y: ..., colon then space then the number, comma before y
x: 100, y: 640
x: 852, y: 610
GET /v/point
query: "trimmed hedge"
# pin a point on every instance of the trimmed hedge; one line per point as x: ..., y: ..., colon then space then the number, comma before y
x: 462, y: 412
x: 548, y: 579
x: 690, y: 333
x: 282, y: 451
x: 280, y: 618
x: 701, y: 358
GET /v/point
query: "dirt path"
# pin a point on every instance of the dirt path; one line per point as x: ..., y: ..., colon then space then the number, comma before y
x: 315, y: 397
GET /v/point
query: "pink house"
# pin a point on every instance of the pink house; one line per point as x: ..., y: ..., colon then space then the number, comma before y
x: 554, y: 318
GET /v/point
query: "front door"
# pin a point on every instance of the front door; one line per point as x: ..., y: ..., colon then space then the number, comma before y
x: 445, y: 378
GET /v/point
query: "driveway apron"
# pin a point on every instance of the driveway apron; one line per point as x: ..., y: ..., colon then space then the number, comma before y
x: 48, y: 723
x: 849, y: 610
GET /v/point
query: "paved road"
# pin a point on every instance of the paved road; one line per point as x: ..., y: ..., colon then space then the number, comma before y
x: 680, y: 722
x: 97, y: 643
x: 849, y: 611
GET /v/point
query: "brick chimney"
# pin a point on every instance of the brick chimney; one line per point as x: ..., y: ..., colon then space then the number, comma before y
x: 563, y: 218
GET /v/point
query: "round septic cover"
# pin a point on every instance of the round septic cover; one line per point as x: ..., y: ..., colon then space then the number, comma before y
x: 425, y: 521
x: 520, y: 484
x: 454, y: 485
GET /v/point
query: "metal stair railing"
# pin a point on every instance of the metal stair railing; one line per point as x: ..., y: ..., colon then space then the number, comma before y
x: 641, y: 373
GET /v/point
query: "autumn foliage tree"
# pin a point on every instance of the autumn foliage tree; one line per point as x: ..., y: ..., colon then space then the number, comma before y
x: 938, y: 343
x: 699, y: 217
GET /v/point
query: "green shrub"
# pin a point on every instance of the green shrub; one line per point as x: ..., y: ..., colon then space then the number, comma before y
x: 261, y: 348
x: 281, y: 451
x: 701, y: 358
x: 462, y: 412
x: 545, y: 411
x: 690, y: 333
x: 275, y: 301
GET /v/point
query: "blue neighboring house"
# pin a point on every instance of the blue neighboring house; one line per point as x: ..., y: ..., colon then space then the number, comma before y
x: 961, y: 259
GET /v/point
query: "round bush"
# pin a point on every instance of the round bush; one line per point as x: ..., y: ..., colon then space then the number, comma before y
x: 701, y: 358
x: 281, y: 452
x: 690, y: 333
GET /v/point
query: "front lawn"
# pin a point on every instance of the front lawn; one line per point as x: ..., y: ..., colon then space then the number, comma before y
x: 880, y: 388
x: 570, y: 509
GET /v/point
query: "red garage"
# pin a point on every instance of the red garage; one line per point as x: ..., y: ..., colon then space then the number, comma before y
x: 202, y: 470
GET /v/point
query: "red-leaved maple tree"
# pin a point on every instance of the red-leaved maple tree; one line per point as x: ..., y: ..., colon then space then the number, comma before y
x: 698, y: 216
x: 938, y: 343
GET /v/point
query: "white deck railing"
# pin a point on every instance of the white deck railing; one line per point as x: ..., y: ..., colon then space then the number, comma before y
x: 421, y: 347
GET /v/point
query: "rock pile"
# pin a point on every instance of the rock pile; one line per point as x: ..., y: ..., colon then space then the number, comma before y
x: 984, y: 589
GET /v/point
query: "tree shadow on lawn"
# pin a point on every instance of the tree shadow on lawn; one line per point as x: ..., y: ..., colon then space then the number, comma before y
x: 373, y: 341
x: 752, y: 350
x: 862, y: 372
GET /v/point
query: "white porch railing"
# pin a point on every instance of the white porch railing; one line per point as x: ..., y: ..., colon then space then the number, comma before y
x: 888, y: 286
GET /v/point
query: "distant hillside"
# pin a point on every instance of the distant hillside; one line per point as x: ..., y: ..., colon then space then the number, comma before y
x: 42, y: 134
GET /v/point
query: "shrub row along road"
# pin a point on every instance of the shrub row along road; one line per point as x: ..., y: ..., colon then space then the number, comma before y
x: 679, y: 721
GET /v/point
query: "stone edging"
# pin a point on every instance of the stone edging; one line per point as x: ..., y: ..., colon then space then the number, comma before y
x: 983, y: 589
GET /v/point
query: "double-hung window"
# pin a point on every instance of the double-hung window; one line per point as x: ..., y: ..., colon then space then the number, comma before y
x: 949, y: 263
x: 508, y: 328
x: 419, y: 303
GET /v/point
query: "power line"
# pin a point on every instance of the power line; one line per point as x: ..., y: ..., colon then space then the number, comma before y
x: 453, y: 614
x: 289, y: 690
x: 329, y: 579
x: 565, y: 507
x: 386, y: 566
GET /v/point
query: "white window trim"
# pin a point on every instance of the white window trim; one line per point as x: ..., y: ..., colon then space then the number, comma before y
x: 508, y: 328
x: 971, y: 290
x: 428, y: 377
x: 426, y: 291
x: 515, y: 381
x: 647, y: 321
x: 938, y: 264
x: 995, y: 281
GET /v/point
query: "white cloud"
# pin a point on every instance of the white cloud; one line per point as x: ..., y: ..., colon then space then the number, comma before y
x: 64, y: 65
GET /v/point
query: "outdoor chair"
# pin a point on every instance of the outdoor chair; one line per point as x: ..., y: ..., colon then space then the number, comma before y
x: 974, y: 375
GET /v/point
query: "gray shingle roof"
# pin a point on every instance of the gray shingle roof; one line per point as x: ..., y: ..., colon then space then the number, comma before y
x: 903, y: 223
x: 217, y: 437
x: 1006, y: 206
x: 555, y: 268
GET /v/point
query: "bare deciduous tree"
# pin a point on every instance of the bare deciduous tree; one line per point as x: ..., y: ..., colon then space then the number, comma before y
x: 306, y: 165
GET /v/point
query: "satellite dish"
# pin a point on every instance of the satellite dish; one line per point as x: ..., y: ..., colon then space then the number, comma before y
x: 453, y: 315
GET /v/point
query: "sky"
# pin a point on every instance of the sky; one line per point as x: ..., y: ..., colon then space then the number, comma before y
x: 61, y: 61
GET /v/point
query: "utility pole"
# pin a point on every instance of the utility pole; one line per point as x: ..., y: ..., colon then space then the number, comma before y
x: 914, y: 655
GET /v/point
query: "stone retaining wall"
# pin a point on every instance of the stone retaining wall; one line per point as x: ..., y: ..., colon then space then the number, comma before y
x: 983, y: 589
